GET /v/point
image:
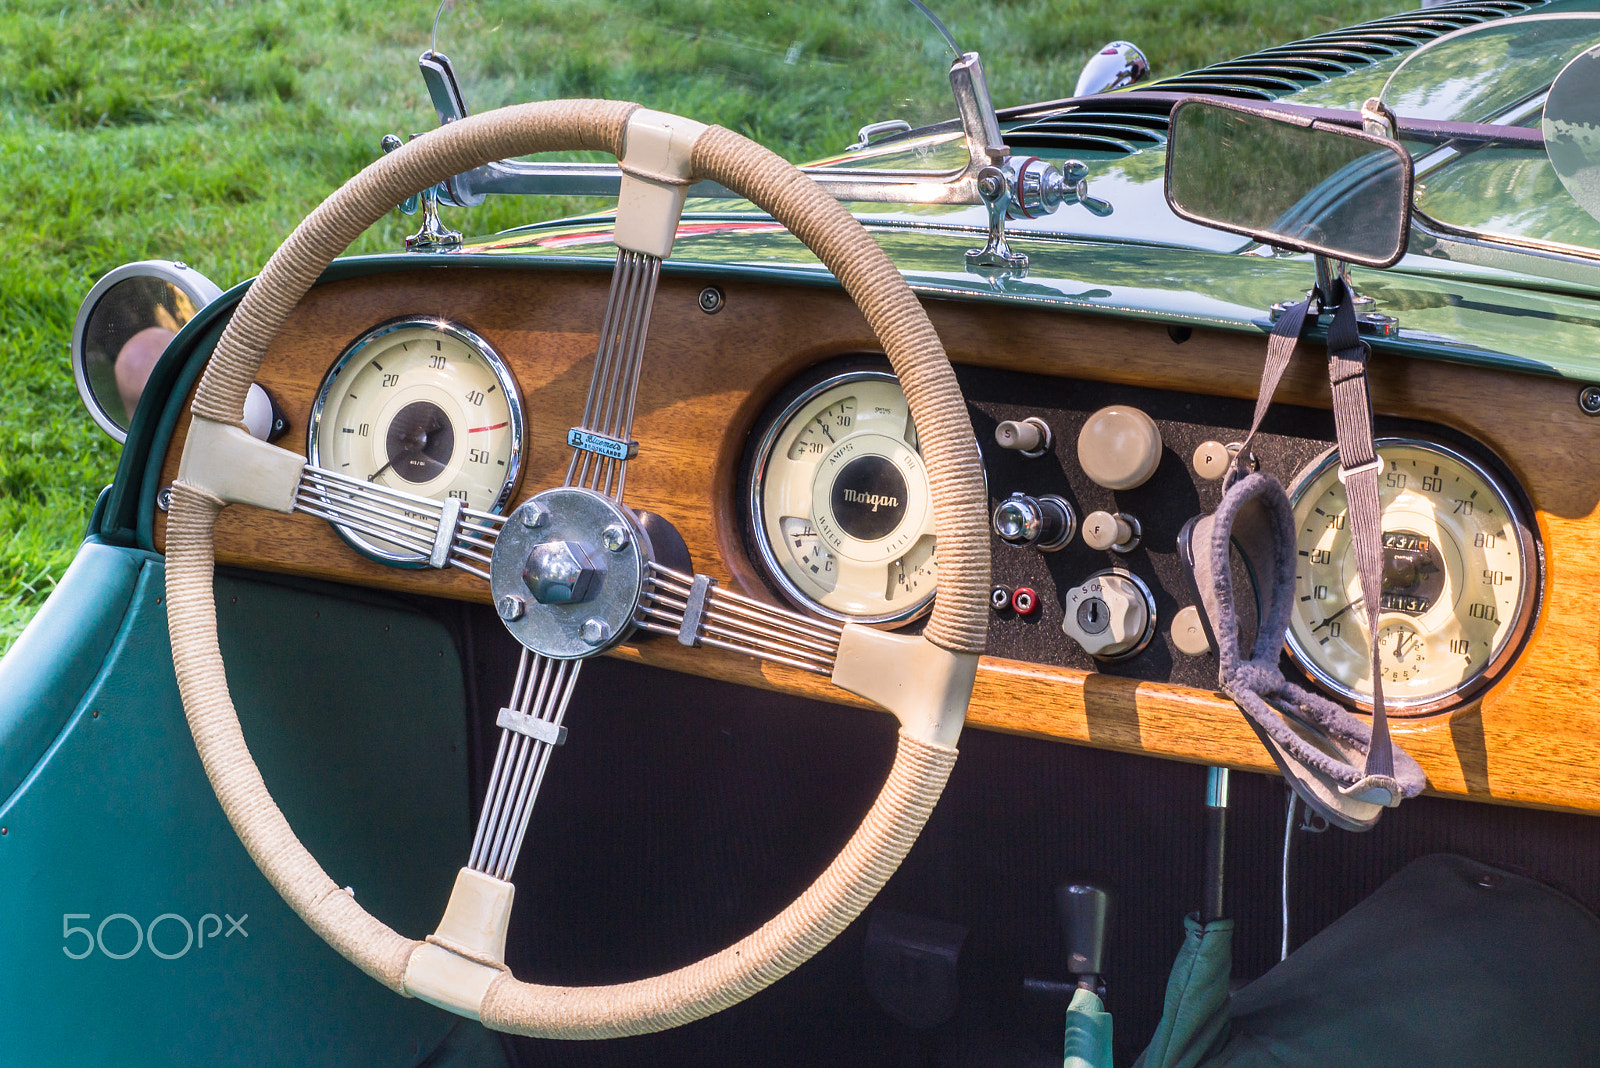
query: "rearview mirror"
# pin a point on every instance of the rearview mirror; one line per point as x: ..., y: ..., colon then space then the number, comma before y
x: 1290, y: 181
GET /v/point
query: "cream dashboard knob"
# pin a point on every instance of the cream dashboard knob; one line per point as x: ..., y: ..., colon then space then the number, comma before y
x: 1031, y: 436
x: 1119, y: 447
x: 1116, y: 531
x: 1112, y: 615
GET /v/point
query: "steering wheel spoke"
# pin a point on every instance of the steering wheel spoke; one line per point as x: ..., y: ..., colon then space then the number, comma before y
x: 447, y: 533
x: 698, y: 612
x: 602, y: 442
x: 530, y: 728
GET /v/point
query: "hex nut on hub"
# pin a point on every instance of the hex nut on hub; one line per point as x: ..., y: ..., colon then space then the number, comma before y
x: 563, y: 572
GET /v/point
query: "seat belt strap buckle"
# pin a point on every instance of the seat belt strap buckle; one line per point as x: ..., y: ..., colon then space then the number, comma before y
x: 1347, y: 473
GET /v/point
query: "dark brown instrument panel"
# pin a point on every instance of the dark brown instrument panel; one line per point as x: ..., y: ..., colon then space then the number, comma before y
x: 1531, y: 740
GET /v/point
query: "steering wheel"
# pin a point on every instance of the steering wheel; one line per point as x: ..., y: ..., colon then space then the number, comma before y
x: 926, y: 680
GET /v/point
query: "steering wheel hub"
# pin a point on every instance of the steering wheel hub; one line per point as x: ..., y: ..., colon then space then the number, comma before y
x: 568, y: 571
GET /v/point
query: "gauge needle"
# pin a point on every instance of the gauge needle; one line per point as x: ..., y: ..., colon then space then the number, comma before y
x: 1337, y: 614
x: 1400, y: 647
x: 412, y: 446
x: 374, y: 476
x: 824, y: 428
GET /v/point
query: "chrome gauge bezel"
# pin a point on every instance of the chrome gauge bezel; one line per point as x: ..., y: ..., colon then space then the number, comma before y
x: 491, y: 359
x: 771, y: 566
x: 1530, y: 554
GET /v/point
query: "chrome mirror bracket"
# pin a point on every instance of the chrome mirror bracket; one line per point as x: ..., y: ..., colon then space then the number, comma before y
x: 1369, y: 321
x: 434, y: 234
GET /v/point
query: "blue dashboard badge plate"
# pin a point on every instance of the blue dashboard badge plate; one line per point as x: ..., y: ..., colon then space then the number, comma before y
x: 589, y: 441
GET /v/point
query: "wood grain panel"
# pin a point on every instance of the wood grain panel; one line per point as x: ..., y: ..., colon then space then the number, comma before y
x: 1533, y: 740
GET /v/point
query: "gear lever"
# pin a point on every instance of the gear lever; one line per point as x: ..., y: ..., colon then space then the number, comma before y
x: 1084, y: 910
x: 1212, y: 906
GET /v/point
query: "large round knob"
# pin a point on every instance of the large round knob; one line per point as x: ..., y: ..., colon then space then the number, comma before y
x: 1046, y: 523
x: 1119, y: 447
x: 1110, y: 615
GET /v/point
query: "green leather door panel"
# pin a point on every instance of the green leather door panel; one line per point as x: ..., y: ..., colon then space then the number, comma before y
x: 354, y: 709
x: 57, y: 658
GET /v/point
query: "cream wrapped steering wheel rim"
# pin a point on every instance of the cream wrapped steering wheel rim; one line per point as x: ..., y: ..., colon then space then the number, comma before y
x: 926, y: 681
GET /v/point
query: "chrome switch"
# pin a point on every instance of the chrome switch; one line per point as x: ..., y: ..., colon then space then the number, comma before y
x: 1046, y: 523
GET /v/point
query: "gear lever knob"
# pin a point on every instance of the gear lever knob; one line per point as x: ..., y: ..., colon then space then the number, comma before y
x: 1084, y: 909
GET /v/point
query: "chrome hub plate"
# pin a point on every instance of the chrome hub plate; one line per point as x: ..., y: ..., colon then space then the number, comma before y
x: 562, y: 615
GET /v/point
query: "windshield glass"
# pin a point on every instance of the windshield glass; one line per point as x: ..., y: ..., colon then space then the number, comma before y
x: 1475, y: 75
x: 1499, y: 72
x: 801, y: 78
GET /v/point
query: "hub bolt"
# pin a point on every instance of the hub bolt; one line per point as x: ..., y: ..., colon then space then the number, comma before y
x: 511, y: 607
x: 614, y: 537
x: 594, y: 631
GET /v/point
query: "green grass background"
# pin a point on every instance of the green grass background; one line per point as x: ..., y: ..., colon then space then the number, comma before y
x: 204, y: 131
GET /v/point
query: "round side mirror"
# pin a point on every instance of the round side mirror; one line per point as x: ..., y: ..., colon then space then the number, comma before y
x: 123, y: 328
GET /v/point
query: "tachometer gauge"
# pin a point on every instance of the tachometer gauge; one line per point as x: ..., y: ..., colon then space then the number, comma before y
x: 839, y: 502
x: 425, y: 406
x: 1460, y: 579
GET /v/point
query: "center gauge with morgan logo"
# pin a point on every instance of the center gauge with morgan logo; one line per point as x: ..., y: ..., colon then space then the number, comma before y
x: 838, y: 504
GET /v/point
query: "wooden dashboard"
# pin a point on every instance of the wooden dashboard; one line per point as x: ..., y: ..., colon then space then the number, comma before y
x: 1533, y: 739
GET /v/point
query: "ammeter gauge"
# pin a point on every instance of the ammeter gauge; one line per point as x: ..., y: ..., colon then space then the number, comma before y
x: 839, y: 504
x: 425, y: 406
x: 1460, y: 579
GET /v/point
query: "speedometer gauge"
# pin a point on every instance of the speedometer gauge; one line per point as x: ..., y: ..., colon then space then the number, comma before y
x: 1460, y: 579
x: 839, y: 502
x: 420, y: 405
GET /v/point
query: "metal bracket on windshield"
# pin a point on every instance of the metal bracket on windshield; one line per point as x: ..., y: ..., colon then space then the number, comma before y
x: 434, y: 235
x: 1378, y: 121
x: 973, y: 105
x: 1026, y: 188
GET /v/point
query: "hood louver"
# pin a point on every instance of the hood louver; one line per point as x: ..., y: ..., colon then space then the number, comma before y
x: 1121, y: 122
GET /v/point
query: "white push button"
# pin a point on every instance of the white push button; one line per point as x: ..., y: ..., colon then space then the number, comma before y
x: 1109, y: 530
x: 1211, y: 460
x: 1188, y: 634
x: 1030, y: 436
x: 1119, y: 447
